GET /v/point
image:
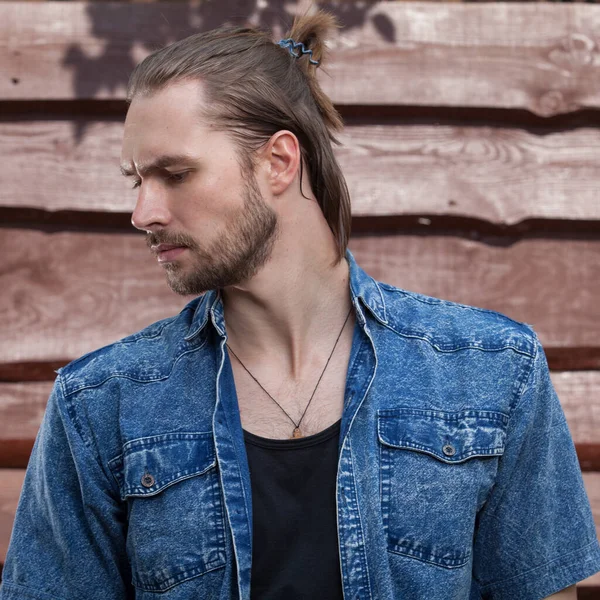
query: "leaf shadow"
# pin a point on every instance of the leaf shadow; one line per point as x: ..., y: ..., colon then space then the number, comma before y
x: 121, y: 33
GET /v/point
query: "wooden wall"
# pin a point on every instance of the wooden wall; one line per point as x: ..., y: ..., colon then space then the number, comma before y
x: 472, y: 152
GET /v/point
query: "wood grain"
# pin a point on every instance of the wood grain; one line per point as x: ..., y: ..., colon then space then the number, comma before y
x: 518, y: 280
x: 496, y: 175
x: 67, y: 293
x: 412, y: 53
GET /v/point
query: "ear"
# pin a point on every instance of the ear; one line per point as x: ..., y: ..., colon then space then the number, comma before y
x: 283, y: 157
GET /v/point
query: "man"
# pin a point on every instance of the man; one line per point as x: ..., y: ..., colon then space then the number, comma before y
x: 300, y: 430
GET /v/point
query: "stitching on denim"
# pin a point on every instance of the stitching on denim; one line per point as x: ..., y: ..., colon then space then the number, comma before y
x: 152, y: 440
x: 341, y: 535
x: 424, y: 299
x: 383, y: 307
x: 176, y: 478
x: 218, y: 400
x: 431, y: 558
x: 471, y: 346
x: 360, y: 531
x: 446, y: 415
x: 521, y: 383
x: 179, y: 577
x: 463, y: 455
x: 441, y: 347
x: 363, y: 394
x: 70, y: 410
x: 127, y: 375
x: 116, y: 464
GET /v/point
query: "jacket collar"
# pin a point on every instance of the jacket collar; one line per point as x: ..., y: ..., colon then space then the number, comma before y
x: 362, y: 286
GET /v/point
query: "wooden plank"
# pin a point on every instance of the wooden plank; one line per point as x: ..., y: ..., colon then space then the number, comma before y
x: 589, y: 589
x: 592, y: 487
x: 67, y: 293
x: 411, y: 53
x: 11, y: 482
x: 579, y: 393
x: 499, y: 176
x: 22, y: 407
x: 518, y: 280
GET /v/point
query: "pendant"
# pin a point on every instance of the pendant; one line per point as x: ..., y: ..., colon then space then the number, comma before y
x: 296, y: 433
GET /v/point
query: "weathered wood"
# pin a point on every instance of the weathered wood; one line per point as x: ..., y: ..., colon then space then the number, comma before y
x: 30, y: 371
x: 22, y: 407
x: 414, y: 53
x: 499, y: 176
x: 518, y: 280
x: 589, y: 589
x: 592, y: 487
x: 67, y: 293
x: 11, y: 482
x: 579, y: 393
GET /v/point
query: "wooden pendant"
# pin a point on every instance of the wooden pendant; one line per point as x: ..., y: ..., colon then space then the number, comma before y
x: 296, y: 433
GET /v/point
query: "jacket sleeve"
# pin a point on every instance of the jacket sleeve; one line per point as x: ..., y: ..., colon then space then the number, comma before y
x: 68, y: 537
x: 535, y: 535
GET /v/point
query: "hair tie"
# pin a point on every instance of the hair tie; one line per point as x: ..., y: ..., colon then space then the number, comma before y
x: 291, y: 45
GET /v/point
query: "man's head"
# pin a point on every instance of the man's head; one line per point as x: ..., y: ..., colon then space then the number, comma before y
x: 202, y: 112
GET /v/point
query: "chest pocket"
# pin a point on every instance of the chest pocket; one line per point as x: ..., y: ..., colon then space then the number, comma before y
x: 176, y: 527
x: 437, y: 468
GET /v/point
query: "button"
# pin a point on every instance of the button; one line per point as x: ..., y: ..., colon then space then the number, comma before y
x: 147, y: 480
x: 448, y: 450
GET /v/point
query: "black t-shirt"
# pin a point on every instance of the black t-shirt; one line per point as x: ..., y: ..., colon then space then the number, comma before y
x: 295, y: 547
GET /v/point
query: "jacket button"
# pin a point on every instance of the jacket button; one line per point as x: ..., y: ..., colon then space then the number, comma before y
x: 448, y: 450
x: 147, y: 480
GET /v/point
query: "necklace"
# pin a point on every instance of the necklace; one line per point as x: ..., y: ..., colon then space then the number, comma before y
x: 296, y: 433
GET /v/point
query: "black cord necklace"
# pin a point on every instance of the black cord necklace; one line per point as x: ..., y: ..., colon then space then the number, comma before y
x: 296, y: 433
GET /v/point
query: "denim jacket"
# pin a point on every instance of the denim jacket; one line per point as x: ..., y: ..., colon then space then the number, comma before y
x: 457, y: 476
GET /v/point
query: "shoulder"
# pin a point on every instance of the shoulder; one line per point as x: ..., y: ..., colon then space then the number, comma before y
x: 146, y: 355
x: 449, y: 326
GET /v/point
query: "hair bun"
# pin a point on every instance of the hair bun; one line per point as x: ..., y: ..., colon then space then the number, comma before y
x: 312, y: 30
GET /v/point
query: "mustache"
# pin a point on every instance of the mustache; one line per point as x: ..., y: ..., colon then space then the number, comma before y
x: 173, y: 239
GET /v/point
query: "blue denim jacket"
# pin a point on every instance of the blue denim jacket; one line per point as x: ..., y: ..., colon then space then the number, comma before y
x: 457, y: 475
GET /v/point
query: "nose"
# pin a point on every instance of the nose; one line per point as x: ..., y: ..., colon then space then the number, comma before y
x: 151, y: 211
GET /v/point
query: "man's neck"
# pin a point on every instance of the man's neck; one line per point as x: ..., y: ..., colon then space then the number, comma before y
x: 290, y: 313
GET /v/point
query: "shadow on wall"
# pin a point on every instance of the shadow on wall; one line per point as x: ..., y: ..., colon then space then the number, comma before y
x: 122, y: 34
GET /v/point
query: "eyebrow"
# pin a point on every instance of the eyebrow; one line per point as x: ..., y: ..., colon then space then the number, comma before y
x: 162, y: 162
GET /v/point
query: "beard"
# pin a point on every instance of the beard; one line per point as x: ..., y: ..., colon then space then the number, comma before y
x: 235, y: 257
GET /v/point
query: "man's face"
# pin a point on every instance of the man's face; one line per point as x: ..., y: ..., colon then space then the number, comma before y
x: 196, y: 196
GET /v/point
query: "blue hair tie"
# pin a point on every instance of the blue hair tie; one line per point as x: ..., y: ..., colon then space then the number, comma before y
x: 291, y: 45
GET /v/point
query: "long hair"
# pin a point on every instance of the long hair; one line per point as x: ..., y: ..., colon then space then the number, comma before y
x: 254, y: 88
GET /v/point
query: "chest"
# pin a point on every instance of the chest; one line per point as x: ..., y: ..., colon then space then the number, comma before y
x: 314, y: 409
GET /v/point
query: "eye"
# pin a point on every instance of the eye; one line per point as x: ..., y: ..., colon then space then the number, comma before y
x: 172, y: 177
x: 177, y: 177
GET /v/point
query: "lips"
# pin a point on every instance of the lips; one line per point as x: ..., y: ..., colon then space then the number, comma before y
x: 167, y: 252
x: 164, y: 247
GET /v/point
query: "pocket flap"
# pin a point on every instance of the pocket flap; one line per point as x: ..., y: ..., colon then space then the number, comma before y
x: 450, y: 436
x: 150, y: 464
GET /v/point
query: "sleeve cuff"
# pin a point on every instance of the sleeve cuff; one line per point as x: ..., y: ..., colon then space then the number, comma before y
x: 554, y: 576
